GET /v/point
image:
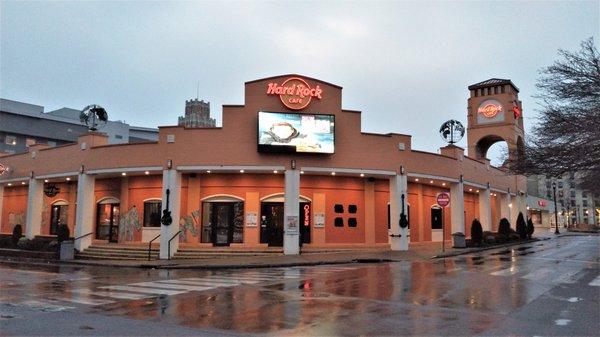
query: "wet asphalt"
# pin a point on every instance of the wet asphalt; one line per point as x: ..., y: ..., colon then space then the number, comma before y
x: 536, y: 289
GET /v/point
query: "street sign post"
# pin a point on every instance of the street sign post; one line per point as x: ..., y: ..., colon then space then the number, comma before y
x: 443, y: 200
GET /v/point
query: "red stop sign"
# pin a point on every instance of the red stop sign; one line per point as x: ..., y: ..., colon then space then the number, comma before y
x: 443, y: 199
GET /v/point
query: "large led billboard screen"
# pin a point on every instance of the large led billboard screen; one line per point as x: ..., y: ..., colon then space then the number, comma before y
x: 295, y: 132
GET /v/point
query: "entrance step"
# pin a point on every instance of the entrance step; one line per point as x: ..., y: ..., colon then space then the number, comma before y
x: 117, y: 252
x: 224, y: 252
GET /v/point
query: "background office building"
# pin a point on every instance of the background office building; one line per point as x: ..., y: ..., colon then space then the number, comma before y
x: 23, y: 125
x: 577, y: 205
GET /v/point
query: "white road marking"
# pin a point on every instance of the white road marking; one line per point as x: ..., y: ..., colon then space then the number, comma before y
x: 199, y: 283
x: 595, y: 282
x: 539, y: 274
x: 562, y: 321
x: 567, y: 277
x: 112, y: 294
x: 171, y: 286
x: 144, y: 290
x: 230, y: 279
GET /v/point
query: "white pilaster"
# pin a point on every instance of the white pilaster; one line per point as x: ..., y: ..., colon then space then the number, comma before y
x: 398, y: 238
x: 35, y: 200
x: 84, y: 213
x: 172, y: 182
x: 505, y: 207
x: 457, y: 207
x: 485, y: 210
x: 291, y: 245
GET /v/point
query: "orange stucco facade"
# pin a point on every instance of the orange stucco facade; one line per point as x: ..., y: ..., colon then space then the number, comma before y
x: 210, y: 163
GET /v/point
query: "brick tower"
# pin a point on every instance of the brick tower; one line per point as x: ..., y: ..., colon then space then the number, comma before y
x: 494, y: 115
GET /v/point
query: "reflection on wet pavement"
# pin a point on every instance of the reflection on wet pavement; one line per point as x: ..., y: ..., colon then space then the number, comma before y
x: 462, y: 295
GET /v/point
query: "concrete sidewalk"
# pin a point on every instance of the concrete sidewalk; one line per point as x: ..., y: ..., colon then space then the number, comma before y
x: 421, y: 251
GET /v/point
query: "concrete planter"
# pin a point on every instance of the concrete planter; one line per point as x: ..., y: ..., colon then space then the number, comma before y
x: 459, y: 240
x: 67, y: 250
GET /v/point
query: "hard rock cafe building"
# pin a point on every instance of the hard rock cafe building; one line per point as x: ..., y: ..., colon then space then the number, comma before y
x: 289, y: 168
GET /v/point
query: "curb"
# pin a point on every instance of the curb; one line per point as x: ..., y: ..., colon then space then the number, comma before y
x: 481, y: 249
x: 46, y: 262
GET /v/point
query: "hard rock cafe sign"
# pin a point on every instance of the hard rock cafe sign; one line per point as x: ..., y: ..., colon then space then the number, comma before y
x: 294, y: 92
x: 490, y: 109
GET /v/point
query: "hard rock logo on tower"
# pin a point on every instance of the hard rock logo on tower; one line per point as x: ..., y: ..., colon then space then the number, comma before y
x: 490, y: 109
x: 294, y: 92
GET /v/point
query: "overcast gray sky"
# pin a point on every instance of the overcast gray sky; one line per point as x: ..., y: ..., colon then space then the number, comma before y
x: 405, y: 65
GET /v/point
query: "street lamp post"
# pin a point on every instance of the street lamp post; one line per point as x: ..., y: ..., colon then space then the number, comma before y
x: 555, y: 209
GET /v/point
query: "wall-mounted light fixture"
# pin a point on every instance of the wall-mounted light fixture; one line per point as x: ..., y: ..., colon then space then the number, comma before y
x: 82, y: 169
x: 293, y: 164
x: 402, y: 169
x: 169, y: 164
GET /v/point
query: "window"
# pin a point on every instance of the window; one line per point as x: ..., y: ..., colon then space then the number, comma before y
x: 29, y: 142
x: 352, y: 222
x: 585, y: 203
x: 436, y: 217
x: 338, y: 222
x: 118, y: 137
x: 573, y: 202
x: 152, y: 210
x: 476, y: 92
x: 572, y: 193
x: 10, y: 140
x: 338, y: 208
x: 560, y: 184
x: 502, y: 90
x: 51, y: 143
x: 352, y: 209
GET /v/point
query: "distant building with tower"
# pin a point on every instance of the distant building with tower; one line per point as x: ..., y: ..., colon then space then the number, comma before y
x: 197, y: 115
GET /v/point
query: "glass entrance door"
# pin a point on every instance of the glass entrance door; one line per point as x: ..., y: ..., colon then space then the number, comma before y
x: 271, y: 227
x: 222, y: 214
x: 272, y: 223
x: 107, y: 222
x: 58, y: 216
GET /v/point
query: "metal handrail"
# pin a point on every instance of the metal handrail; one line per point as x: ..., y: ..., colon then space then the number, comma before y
x: 150, y: 245
x: 84, y: 235
x: 169, y: 245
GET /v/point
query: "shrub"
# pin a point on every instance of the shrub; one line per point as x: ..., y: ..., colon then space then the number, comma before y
x: 6, y: 241
x: 17, y: 233
x: 24, y: 243
x: 530, y: 228
x: 521, y: 226
x: 62, y: 233
x: 476, y: 232
x: 504, y: 227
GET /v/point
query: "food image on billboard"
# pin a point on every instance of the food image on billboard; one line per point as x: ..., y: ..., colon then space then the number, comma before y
x: 295, y: 133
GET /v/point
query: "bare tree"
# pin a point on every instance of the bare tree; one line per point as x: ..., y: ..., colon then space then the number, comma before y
x: 567, y: 136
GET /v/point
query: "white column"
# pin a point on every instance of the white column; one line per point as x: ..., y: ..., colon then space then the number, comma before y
x: 398, y: 238
x: 172, y: 182
x: 514, y: 211
x: 485, y: 211
x: 457, y: 207
x: 35, y: 200
x: 1, y: 198
x: 84, y: 213
x: 505, y: 206
x: 291, y: 222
